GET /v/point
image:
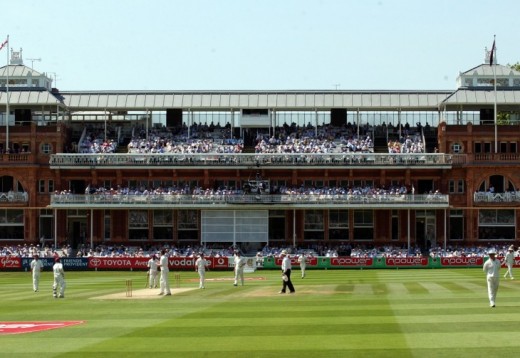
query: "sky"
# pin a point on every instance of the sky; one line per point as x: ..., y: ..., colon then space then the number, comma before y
x: 191, y: 45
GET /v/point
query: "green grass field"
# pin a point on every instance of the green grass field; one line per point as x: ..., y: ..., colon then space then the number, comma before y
x: 334, y: 313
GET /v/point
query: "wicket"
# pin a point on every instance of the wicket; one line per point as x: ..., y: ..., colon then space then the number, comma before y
x: 177, y: 280
x: 128, y: 288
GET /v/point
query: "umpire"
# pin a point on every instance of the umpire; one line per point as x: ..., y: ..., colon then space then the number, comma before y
x: 286, y: 273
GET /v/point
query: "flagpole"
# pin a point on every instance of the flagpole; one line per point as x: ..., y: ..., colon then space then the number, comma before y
x: 493, y: 57
x: 7, y: 102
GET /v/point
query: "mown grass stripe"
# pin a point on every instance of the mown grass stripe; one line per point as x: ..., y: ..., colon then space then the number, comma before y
x: 335, y: 313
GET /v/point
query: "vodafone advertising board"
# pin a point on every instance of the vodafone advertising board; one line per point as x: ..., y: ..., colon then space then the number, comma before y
x: 141, y: 263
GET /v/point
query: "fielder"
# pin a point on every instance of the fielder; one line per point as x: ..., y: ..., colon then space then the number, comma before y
x: 36, y: 269
x: 302, y: 259
x: 200, y: 267
x: 58, y: 285
x: 509, y: 261
x: 164, y: 281
x: 492, y: 269
x: 240, y: 263
x: 153, y: 273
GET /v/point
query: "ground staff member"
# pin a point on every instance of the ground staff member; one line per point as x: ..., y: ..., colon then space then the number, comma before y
x: 286, y: 273
x: 36, y: 269
x: 58, y: 285
x: 492, y: 269
x: 200, y: 267
x: 164, y: 282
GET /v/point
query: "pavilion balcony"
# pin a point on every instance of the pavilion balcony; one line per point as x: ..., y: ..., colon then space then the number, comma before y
x: 264, y: 201
x: 497, y: 198
x: 248, y: 160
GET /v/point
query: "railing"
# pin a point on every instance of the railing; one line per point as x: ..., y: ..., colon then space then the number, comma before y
x: 488, y: 197
x: 208, y: 201
x: 245, y: 159
x: 14, y: 197
x: 16, y: 158
x: 497, y: 157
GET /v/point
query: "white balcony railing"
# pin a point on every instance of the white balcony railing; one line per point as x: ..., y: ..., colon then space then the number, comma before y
x: 65, y: 160
x: 208, y: 201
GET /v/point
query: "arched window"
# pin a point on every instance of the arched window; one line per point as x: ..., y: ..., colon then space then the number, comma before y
x: 496, y: 184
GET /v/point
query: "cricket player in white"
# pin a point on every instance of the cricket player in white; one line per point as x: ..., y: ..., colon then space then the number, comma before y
x: 153, y: 273
x: 200, y: 267
x: 164, y: 282
x: 36, y: 269
x: 492, y: 269
x: 302, y: 259
x: 240, y: 263
x: 58, y: 285
x: 510, y: 261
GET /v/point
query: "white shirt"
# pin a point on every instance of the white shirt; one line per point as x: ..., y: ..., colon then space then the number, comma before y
x: 152, y: 264
x: 286, y: 263
x: 492, y: 267
x: 36, y: 266
x: 201, y: 264
x: 57, y: 269
x: 510, y: 257
x: 240, y: 262
x: 164, y: 263
x: 302, y: 260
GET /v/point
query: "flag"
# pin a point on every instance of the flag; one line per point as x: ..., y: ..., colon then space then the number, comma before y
x: 4, y: 43
x: 491, y: 54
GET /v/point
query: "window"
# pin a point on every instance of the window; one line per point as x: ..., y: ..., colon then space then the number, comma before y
x: 363, y: 225
x: 456, y: 148
x: 313, y: 220
x: 456, y: 186
x: 395, y: 225
x: 46, y: 223
x: 313, y: 225
x: 11, y: 224
x: 187, y: 220
x: 41, y: 186
x: 162, y: 225
x: 456, y: 228
x: 460, y: 188
x: 338, y: 219
x: 46, y: 148
x: 188, y: 225
x: 138, y: 225
x: 491, y: 217
x: 107, y: 234
x: 51, y: 186
x: 338, y: 225
x: 277, y: 226
x: 496, y: 224
x: 137, y: 219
